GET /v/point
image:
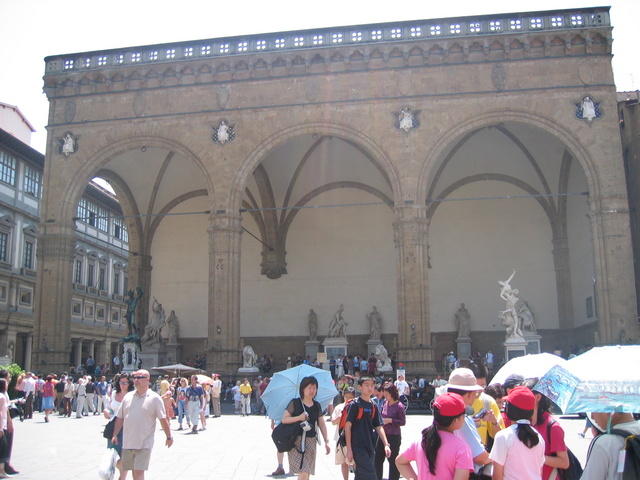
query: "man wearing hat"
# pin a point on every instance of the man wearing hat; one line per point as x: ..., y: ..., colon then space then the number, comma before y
x: 463, y: 382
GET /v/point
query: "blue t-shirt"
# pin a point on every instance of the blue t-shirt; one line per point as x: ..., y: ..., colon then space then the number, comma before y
x: 194, y: 394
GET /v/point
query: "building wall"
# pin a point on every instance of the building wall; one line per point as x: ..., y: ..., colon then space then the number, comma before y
x: 494, y: 116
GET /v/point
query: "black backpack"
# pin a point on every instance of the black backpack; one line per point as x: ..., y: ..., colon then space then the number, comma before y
x: 284, y: 435
x: 632, y: 455
x: 574, y: 470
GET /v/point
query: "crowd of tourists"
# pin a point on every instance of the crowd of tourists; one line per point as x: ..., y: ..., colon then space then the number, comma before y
x: 480, y: 430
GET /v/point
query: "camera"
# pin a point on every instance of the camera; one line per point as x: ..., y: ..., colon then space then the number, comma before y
x: 480, y: 414
x: 306, y: 426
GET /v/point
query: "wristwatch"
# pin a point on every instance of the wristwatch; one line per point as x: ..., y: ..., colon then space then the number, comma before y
x: 169, y: 438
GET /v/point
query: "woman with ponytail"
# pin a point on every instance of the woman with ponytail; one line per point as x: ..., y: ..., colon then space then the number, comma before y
x: 518, y: 451
x: 440, y: 454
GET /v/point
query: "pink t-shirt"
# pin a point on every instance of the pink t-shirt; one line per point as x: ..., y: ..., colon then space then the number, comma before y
x: 553, y: 444
x: 454, y: 453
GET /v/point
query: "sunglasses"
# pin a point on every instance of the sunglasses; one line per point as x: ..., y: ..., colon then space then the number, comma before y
x: 140, y: 377
x: 124, y: 381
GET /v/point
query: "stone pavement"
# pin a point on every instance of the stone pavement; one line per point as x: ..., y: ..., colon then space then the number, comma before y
x: 232, y: 447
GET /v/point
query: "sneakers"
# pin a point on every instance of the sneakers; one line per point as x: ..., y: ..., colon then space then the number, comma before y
x: 581, y: 434
x: 180, y: 427
x: 279, y: 471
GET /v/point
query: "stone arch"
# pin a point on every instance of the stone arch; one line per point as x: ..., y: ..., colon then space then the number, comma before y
x: 360, y: 140
x: 467, y: 127
x: 89, y: 169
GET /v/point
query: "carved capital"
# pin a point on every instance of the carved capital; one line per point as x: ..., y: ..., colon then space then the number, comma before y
x: 56, y: 247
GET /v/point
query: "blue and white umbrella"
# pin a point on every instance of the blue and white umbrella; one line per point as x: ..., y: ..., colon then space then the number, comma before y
x: 285, y: 385
x: 603, y: 379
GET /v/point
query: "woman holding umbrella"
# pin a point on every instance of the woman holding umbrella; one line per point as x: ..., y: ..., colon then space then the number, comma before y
x: 302, y: 459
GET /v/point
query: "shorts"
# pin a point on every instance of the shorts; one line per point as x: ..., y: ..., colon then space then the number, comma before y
x: 341, y: 455
x: 136, y: 459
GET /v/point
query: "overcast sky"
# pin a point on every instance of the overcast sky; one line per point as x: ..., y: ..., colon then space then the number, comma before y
x: 34, y: 29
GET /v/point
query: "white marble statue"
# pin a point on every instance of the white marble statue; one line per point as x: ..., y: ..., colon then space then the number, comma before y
x: 375, y: 324
x: 152, y: 330
x: 384, y: 362
x: 517, y: 316
x: 463, y: 322
x: 174, y: 328
x: 337, y: 327
x: 249, y: 357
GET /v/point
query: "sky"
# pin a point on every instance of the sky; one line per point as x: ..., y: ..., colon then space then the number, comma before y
x: 34, y: 29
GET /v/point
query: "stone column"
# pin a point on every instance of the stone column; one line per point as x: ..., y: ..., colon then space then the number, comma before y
x: 28, y: 350
x: 223, y: 336
x: 55, y: 253
x: 615, y: 287
x: 414, y: 329
x: 563, y: 282
x: 78, y: 357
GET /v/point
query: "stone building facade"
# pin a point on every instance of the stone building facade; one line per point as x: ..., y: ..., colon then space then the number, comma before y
x: 95, y: 310
x: 409, y: 166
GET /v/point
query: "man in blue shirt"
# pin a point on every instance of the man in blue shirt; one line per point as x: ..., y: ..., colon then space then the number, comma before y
x: 101, y: 390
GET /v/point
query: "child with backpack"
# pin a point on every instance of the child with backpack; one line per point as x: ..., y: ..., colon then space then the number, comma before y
x: 337, y: 419
x: 440, y: 454
x: 518, y: 450
x: 362, y: 423
x: 613, y: 433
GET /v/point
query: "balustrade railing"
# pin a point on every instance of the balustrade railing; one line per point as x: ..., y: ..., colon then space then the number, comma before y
x: 335, y: 36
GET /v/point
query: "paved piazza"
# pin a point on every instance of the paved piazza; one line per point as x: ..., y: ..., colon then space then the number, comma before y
x: 232, y: 447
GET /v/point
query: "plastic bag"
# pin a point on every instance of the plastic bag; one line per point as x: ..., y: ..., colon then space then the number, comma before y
x: 107, y: 468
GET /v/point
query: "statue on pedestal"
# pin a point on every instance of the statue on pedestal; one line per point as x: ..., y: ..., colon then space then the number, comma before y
x: 384, y: 362
x: 337, y: 327
x: 517, y: 316
x: 249, y: 357
x: 375, y: 324
x: 312, y: 319
x: 463, y: 322
x: 132, y: 302
x: 152, y: 330
x: 174, y: 328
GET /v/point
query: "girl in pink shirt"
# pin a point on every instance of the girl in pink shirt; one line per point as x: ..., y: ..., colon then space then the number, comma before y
x: 440, y: 455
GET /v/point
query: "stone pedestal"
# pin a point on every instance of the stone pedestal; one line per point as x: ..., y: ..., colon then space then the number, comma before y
x: 311, y: 348
x: 248, y: 371
x: 533, y: 343
x: 514, y: 347
x: 154, y: 356
x: 464, y: 347
x: 334, y: 347
x: 371, y: 346
x: 130, y: 357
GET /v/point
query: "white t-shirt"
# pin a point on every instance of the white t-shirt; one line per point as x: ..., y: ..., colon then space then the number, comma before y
x: 403, y: 387
x: 519, y: 461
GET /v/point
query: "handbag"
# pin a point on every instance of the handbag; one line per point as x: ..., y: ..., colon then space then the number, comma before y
x: 109, y: 428
x: 285, y: 434
x: 14, y: 410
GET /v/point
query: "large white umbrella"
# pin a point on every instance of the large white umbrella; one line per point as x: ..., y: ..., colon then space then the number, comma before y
x: 529, y: 366
x: 603, y: 379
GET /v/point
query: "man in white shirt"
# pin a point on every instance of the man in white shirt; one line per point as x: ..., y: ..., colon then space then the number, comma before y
x: 29, y: 393
x: 138, y: 413
x: 402, y: 386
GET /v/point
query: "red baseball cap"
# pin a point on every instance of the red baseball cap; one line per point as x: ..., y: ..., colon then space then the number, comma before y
x: 522, y: 397
x: 450, y: 404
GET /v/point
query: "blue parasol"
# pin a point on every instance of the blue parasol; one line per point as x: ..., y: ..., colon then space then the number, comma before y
x: 285, y: 385
x: 603, y: 379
